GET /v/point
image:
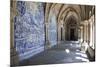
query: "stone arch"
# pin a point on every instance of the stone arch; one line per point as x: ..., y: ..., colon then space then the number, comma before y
x: 63, y: 15
x: 71, y: 27
x: 71, y: 23
x: 68, y: 8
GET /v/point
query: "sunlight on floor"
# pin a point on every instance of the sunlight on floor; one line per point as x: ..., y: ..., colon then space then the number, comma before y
x: 77, y: 50
x: 71, y: 44
x: 83, y: 55
x: 83, y: 59
x: 67, y: 50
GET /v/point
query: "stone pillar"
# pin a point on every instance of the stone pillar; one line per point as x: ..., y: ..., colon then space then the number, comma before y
x: 87, y: 32
x: 46, y: 26
x: 59, y: 32
x: 93, y: 36
x: 81, y: 32
x: 82, y: 45
x: 91, y: 33
x: 84, y: 32
x: 47, y: 40
x: 14, y: 59
x: 63, y: 33
x: 85, y: 44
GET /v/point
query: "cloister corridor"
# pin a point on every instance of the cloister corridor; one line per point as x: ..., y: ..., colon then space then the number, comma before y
x: 64, y: 52
x: 51, y: 33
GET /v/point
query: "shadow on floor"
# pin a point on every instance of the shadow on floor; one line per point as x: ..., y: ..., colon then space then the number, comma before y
x: 62, y: 53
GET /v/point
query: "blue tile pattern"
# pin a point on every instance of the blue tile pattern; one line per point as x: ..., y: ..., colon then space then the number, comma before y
x: 29, y: 30
x: 52, y: 30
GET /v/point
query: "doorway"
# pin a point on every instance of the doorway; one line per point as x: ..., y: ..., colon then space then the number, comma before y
x: 72, y: 34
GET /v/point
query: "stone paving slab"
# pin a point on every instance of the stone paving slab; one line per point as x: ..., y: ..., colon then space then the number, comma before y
x: 62, y: 53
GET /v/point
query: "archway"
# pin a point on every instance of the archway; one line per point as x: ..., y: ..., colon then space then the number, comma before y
x: 71, y: 27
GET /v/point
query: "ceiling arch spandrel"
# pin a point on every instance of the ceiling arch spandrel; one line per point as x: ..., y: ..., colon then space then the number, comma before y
x: 48, y: 5
x: 72, y: 15
x: 71, y: 20
x: 61, y: 11
x: 67, y: 8
x: 56, y: 9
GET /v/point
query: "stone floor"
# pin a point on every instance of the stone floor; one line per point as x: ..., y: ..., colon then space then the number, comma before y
x: 64, y: 52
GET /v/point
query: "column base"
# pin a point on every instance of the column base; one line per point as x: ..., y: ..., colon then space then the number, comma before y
x: 84, y: 46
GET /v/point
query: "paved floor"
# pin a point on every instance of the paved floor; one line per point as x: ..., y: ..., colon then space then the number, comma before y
x: 65, y: 52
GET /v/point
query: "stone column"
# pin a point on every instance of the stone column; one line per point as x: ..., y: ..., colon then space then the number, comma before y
x: 82, y: 45
x: 91, y: 33
x: 85, y: 31
x: 14, y: 59
x: 93, y: 36
x: 88, y: 33
x: 62, y: 35
x: 47, y: 41
x: 58, y: 33
x: 81, y: 32
x: 85, y: 44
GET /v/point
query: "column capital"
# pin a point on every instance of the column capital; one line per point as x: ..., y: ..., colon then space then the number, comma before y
x: 81, y: 27
x: 86, y: 22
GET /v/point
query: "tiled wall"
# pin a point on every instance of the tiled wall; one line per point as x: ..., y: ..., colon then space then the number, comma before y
x: 52, y: 29
x: 29, y: 29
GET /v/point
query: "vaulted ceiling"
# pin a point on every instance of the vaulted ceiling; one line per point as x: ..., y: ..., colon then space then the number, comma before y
x: 64, y: 11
